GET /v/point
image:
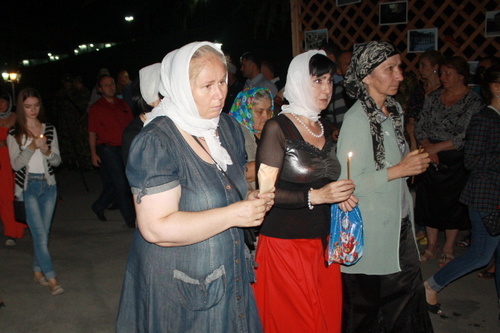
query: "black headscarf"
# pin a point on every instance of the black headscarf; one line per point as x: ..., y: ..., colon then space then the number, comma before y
x: 364, y: 60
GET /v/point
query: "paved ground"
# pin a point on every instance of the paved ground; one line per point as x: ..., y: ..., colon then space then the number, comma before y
x: 89, y: 257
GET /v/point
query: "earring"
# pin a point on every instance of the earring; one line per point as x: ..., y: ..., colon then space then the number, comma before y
x: 434, y: 71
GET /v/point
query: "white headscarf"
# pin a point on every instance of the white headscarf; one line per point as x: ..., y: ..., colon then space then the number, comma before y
x: 298, y: 87
x: 149, y: 82
x: 178, y: 103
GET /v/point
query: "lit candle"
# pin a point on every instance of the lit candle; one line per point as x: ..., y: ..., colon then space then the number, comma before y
x: 349, y: 155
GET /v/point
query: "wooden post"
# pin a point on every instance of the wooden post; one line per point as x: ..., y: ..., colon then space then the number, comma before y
x: 297, y: 32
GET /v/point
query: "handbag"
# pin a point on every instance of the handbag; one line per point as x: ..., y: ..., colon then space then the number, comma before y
x: 492, y: 223
x: 19, y: 211
x: 346, y: 236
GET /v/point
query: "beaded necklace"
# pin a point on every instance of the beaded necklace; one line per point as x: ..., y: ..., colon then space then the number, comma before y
x: 308, y: 129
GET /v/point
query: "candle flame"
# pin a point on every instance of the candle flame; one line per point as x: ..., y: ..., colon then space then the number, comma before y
x: 41, y: 135
x: 350, y: 154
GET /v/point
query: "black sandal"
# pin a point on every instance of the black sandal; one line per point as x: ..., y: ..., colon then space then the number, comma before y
x: 434, y: 308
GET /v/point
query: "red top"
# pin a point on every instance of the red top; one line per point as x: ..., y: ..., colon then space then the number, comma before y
x: 108, y: 120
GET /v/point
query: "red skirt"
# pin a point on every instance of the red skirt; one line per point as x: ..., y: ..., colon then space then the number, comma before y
x: 295, y: 290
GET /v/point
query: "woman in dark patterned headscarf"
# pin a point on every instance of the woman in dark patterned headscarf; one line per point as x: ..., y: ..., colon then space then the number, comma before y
x: 384, y: 287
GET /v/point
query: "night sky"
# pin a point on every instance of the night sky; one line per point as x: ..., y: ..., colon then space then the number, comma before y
x: 33, y: 28
x: 30, y: 29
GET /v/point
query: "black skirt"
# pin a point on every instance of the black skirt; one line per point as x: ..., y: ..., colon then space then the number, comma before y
x: 388, y: 303
x: 438, y: 192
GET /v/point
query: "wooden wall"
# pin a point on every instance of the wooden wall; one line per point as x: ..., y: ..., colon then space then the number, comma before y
x: 461, y: 25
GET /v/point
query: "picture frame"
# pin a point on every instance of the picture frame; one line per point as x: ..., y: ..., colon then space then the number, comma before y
x: 391, y: 13
x: 492, y: 24
x: 341, y: 3
x: 315, y: 39
x: 473, y: 67
x: 420, y: 40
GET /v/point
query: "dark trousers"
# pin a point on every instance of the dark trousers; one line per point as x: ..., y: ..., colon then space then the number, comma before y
x: 115, y: 187
x: 388, y: 303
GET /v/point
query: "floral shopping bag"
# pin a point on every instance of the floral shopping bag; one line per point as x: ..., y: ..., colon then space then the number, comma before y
x: 346, y: 236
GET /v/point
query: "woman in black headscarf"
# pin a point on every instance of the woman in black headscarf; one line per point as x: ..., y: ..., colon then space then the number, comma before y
x: 382, y: 291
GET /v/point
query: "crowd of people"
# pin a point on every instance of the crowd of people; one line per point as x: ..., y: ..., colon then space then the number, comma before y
x: 180, y: 150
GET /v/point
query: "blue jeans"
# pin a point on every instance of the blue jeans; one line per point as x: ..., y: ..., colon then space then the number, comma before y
x: 483, y: 247
x: 115, y: 186
x: 40, y: 201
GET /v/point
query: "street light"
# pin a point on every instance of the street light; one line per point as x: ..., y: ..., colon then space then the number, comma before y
x: 129, y: 20
x: 13, y: 78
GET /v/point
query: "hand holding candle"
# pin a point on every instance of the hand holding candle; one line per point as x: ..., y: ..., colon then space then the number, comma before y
x: 38, y: 140
x: 41, y: 139
x: 349, y: 155
x: 420, y: 151
x: 267, y: 176
x: 40, y: 143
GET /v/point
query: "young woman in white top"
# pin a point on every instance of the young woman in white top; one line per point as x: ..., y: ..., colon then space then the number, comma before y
x: 34, y: 152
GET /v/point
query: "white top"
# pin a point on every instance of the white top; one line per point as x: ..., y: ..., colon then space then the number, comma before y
x: 36, y: 162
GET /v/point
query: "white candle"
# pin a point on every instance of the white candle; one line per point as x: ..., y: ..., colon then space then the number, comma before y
x: 349, y: 155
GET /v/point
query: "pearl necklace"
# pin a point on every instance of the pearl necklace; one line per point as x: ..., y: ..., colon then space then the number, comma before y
x: 308, y: 129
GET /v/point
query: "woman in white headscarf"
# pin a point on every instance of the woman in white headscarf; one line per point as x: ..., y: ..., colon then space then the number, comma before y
x: 145, y: 97
x: 188, y: 270
x: 295, y: 290
x: 383, y: 291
